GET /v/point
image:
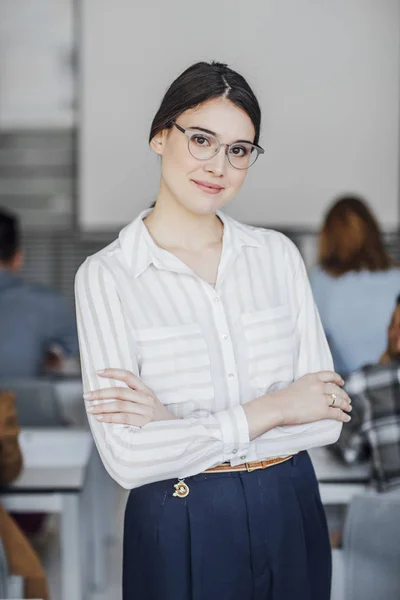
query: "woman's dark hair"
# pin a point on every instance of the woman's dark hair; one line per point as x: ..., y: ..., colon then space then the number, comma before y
x: 351, y: 240
x: 9, y: 236
x: 199, y: 83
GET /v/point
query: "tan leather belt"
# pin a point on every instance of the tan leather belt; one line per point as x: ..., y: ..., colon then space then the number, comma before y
x: 251, y: 466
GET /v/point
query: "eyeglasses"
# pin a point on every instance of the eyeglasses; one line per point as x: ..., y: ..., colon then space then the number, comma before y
x: 203, y: 146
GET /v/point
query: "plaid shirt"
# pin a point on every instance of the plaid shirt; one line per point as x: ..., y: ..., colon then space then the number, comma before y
x: 375, y: 426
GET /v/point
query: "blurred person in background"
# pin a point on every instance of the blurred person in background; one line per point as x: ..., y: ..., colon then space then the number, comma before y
x: 37, y: 327
x: 375, y: 427
x: 21, y: 558
x: 374, y: 431
x: 206, y: 370
x: 355, y: 284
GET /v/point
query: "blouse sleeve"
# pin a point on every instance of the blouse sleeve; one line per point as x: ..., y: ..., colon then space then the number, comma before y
x: 160, y: 450
x: 312, y: 354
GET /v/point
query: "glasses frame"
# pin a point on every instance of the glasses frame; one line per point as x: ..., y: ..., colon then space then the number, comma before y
x: 190, y: 132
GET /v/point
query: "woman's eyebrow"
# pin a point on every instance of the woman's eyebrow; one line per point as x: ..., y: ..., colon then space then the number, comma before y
x: 202, y: 129
x: 213, y: 133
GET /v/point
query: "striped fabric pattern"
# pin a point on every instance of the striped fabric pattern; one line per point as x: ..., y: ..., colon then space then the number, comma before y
x: 204, y: 351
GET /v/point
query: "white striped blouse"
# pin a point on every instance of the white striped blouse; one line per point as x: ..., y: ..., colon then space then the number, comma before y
x: 204, y: 351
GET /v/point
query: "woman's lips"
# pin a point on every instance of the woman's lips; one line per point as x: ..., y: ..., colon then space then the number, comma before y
x: 209, y: 188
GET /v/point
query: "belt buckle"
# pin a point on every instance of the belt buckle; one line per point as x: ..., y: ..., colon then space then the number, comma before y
x: 250, y: 469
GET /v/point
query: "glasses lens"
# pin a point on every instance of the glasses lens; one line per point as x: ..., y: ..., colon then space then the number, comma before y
x: 242, y: 155
x: 203, y: 145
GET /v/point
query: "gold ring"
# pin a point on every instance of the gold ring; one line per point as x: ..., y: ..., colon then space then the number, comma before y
x: 333, y: 396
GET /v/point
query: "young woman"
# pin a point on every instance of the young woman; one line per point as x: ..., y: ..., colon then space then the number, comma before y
x: 355, y: 284
x: 207, y: 371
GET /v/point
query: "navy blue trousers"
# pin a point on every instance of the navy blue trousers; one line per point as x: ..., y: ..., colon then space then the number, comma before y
x: 236, y: 536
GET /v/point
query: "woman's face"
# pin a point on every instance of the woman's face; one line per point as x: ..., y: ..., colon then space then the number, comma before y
x: 202, y: 186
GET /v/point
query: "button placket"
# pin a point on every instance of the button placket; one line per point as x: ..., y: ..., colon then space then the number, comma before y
x: 229, y: 361
x: 226, y: 347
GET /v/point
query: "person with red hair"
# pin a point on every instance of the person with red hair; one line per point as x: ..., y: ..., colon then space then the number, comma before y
x: 355, y: 284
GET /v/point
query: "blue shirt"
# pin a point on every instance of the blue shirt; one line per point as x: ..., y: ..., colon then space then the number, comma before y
x: 32, y: 319
x: 355, y: 310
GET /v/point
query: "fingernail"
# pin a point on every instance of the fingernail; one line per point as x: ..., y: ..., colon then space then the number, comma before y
x: 101, y: 372
x: 88, y: 395
x: 99, y: 417
x: 90, y: 409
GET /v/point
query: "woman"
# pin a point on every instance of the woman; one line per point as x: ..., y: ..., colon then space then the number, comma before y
x: 200, y: 325
x: 355, y: 285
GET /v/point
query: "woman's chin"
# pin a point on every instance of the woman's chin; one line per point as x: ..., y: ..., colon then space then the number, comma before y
x: 204, y: 205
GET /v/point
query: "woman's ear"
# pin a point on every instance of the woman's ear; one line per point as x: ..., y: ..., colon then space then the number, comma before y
x: 157, y: 143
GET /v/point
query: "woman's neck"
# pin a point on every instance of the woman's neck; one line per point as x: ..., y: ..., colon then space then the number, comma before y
x: 173, y: 226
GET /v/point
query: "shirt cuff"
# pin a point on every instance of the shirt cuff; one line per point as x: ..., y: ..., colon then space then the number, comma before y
x: 235, y: 434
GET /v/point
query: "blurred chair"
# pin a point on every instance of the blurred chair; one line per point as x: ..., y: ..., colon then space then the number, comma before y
x: 368, y: 566
x: 36, y: 401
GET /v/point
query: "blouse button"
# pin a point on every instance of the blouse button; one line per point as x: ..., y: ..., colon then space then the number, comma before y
x: 225, y: 336
x: 231, y: 376
x: 216, y: 299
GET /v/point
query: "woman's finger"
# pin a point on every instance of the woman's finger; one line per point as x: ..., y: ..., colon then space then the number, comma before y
x: 338, y: 415
x: 330, y: 377
x: 333, y: 388
x: 110, y: 394
x: 126, y: 376
x: 118, y: 393
x: 124, y: 419
x: 340, y: 402
x: 336, y: 397
x: 118, y: 406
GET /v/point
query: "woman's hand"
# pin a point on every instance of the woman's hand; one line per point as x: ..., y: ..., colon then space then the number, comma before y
x: 310, y: 399
x: 135, y: 405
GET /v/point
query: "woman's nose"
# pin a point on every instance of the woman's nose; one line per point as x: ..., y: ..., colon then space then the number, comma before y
x: 218, y: 163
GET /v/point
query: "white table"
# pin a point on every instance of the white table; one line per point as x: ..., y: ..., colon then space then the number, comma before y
x: 53, y: 479
x: 339, y: 482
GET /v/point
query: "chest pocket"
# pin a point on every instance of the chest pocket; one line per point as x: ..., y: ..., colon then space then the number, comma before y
x: 175, y: 363
x: 269, y: 344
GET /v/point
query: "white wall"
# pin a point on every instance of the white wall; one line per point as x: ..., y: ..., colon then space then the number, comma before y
x: 327, y: 75
x: 36, y: 80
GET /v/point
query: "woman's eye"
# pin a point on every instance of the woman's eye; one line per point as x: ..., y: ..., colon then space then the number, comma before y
x: 240, y: 151
x: 200, y: 140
